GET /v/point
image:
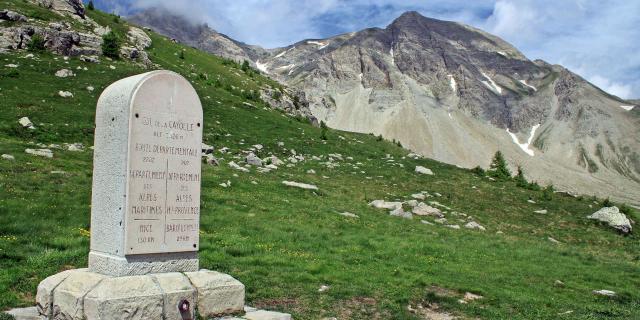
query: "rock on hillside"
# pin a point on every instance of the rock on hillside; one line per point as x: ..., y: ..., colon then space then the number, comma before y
x: 73, y: 7
x: 64, y: 38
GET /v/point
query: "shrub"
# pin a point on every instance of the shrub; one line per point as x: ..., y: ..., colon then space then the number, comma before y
x: 90, y: 5
x: 36, y: 44
x: 245, y: 66
x: 6, y: 316
x: 379, y: 138
x: 607, y: 203
x: 521, y: 181
x: 478, y: 171
x: 181, y: 55
x: 498, y: 168
x: 547, y: 193
x: 111, y: 44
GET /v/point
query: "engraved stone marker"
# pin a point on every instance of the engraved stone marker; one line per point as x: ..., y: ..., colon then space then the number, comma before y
x: 145, y: 213
x: 146, y: 180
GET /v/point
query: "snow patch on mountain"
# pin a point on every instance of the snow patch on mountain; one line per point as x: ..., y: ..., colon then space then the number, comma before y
x: 628, y: 108
x: 262, y: 66
x: 319, y: 44
x: 525, y: 146
x: 528, y: 85
x: 284, y: 52
x: 491, y: 84
x: 452, y: 83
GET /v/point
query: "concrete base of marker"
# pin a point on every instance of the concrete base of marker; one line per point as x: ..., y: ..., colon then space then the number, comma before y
x: 82, y: 294
x: 142, y: 264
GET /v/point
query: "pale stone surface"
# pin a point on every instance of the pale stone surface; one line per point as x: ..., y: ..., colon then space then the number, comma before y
x: 69, y: 295
x: 176, y: 287
x: 267, y: 315
x: 474, y: 225
x: 300, y: 185
x: 139, y: 38
x: 603, y: 292
x: 44, y: 294
x: 64, y: 73
x: 142, y: 264
x: 40, y: 152
x: 218, y: 293
x: 613, y: 217
x: 423, y: 209
x: 253, y: 160
x: 65, y: 94
x: 423, y: 170
x: 135, y: 297
x: 399, y: 212
x: 8, y: 157
x: 381, y: 204
x: 26, y: 123
x: 30, y: 313
x: 147, y: 158
x: 348, y: 214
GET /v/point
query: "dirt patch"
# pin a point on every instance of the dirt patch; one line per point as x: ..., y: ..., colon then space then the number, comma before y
x: 360, y: 308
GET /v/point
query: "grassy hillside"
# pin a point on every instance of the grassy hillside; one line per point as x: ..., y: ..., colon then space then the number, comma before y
x: 285, y: 243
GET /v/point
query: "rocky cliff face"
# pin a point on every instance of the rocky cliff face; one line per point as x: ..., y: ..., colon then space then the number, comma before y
x: 64, y: 37
x: 457, y: 94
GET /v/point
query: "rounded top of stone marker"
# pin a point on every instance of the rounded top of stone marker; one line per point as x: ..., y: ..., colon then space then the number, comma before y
x: 162, y: 89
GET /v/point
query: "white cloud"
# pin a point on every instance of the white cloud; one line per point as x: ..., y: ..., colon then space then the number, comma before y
x: 621, y: 90
x: 598, y: 40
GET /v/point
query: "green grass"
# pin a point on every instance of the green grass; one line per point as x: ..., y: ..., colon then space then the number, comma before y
x: 284, y: 243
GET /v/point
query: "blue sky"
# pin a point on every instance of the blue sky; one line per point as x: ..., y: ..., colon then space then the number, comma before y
x: 600, y: 40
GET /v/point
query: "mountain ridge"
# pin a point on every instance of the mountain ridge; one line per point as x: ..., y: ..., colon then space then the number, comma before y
x: 464, y: 94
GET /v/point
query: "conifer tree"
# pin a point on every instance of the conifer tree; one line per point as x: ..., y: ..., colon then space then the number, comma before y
x: 498, y: 168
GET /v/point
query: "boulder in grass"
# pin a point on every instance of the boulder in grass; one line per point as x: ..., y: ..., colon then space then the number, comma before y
x: 40, y: 152
x: 474, y: 225
x: 300, y: 185
x: 26, y: 123
x: 614, y: 218
x: 381, y: 204
x: 64, y: 73
x: 253, y: 160
x: 423, y: 170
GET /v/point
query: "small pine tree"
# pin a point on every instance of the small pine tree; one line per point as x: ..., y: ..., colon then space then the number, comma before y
x: 181, y: 55
x: 90, y: 5
x: 498, y: 168
x: 245, y: 66
x: 37, y: 43
x: 323, y: 134
x: 521, y: 181
x: 111, y: 44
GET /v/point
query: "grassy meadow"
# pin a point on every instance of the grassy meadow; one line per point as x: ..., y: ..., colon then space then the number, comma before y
x: 285, y: 243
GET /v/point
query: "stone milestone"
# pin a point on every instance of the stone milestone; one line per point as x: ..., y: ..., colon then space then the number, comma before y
x: 145, y: 213
x: 146, y: 179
